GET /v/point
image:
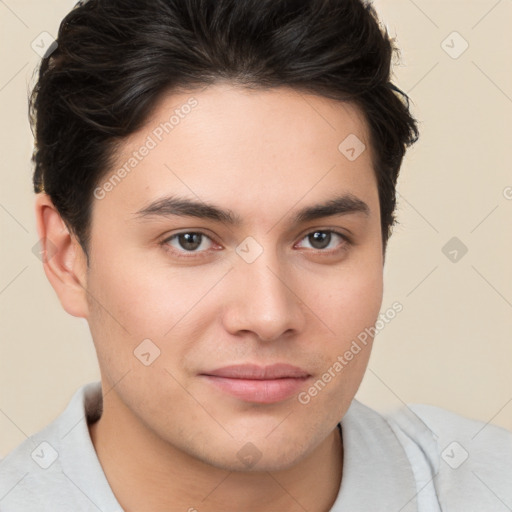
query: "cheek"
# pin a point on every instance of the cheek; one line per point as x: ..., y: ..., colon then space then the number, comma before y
x: 147, y: 300
x: 134, y: 301
x: 350, y: 310
x: 349, y: 307
x: 349, y: 300
x: 361, y: 298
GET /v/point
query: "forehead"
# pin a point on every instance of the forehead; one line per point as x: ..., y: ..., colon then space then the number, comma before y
x: 226, y: 114
x: 245, y: 149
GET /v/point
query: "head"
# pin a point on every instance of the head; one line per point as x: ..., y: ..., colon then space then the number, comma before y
x: 279, y: 121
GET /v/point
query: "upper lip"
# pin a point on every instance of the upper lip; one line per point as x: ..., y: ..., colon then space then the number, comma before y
x: 256, y: 372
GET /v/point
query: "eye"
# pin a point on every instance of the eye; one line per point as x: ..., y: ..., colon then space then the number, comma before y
x: 187, y: 242
x: 321, y: 239
x: 196, y: 242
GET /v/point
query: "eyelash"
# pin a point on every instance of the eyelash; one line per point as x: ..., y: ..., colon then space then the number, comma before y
x: 192, y: 254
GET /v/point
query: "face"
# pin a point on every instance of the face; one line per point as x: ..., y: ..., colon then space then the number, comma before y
x: 224, y: 326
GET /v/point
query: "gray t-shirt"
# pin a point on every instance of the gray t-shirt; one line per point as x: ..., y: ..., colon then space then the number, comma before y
x: 419, y: 458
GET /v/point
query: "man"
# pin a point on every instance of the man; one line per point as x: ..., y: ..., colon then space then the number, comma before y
x: 215, y: 190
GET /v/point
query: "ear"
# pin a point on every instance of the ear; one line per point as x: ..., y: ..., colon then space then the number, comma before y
x: 64, y: 260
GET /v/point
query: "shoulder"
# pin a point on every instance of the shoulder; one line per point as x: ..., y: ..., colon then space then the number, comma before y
x: 42, y: 471
x: 470, y: 461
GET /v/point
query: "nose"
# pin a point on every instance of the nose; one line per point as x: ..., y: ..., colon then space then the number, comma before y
x: 264, y: 300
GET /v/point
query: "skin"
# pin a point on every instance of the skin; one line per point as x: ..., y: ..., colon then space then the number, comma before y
x: 168, y: 440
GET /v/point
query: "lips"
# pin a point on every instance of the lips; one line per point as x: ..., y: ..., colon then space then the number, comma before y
x: 258, y: 384
x: 255, y: 372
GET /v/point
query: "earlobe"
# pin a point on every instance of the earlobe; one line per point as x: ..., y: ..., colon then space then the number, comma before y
x: 64, y: 261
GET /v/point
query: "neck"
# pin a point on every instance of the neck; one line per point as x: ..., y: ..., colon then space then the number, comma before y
x: 147, y: 473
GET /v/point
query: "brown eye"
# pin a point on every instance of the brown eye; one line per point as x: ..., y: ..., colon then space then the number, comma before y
x: 187, y: 242
x: 320, y: 239
x: 323, y: 239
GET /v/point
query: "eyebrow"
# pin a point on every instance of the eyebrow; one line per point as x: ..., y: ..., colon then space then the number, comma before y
x: 184, y: 207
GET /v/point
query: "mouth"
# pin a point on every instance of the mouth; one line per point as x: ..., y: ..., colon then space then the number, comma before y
x: 258, y: 384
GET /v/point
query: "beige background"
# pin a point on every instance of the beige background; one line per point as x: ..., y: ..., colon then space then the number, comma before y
x: 451, y: 345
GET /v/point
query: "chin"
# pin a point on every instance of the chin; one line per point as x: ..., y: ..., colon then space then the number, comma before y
x: 256, y: 462
x: 257, y: 455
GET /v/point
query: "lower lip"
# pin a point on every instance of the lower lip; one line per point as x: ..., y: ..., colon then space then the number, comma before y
x: 259, y: 391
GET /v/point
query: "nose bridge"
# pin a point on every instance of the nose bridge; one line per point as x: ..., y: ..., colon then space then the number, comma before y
x: 266, y: 303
